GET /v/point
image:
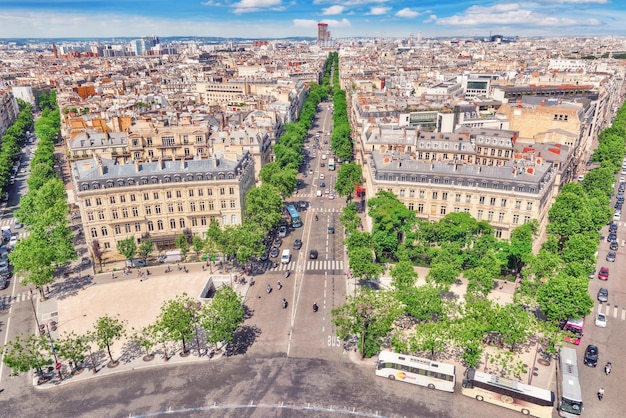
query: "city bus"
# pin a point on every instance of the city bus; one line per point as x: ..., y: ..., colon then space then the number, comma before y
x: 331, y: 164
x: 529, y: 400
x: 296, y: 222
x: 571, y: 404
x: 574, y: 330
x: 419, y: 371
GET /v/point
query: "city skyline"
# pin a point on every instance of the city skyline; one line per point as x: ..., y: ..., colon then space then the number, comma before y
x: 285, y: 18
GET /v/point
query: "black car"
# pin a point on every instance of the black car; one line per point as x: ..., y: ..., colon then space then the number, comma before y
x: 274, y: 252
x: 614, y: 246
x: 297, y: 244
x: 313, y: 254
x: 591, y: 356
x: 277, y: 242
x: 611, y: 237
x: 613, y: 227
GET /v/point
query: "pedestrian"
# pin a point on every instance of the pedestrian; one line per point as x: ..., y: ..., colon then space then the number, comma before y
x: 113, y: 275
x: 47, y: 289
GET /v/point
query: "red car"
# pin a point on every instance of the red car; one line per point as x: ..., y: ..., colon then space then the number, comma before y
x: 604, y: 273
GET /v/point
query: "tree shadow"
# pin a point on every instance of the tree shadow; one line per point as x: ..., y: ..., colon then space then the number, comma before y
x: 243, y: 339
x: 70, y: 286
x: 247, y: 312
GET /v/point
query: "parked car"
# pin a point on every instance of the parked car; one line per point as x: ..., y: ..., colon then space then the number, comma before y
x: 600, y: 320
x: 613, y: 246
x: 313, y: 254
x: 616, y: 216
x: 277, y: 242
x: 611, y: 237
x: 135, y: 262
x: 603, y: 294
x: 604, y: 273
x: 591, y: 355
x: 274, y: 252
x: 322, y: 184
x: 282, y: 231
x: 613, y: 227
x: 297, y: 244
x: 610, y: 257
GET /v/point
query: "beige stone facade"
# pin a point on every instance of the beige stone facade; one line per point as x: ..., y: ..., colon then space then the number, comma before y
x: 162, y: 199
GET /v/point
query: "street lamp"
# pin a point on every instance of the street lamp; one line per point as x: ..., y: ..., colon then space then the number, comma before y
x: 93, y: 362
x: 42, y: 329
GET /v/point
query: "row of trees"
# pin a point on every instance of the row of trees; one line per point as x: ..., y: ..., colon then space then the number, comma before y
x: 12, y: 141
x: 181, y: 319
x: 43, y: 210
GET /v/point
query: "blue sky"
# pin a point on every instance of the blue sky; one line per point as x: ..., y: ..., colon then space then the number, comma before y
x: 281, y: 18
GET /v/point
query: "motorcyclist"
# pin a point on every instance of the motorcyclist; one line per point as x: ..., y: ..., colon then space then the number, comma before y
x: 601, y: 393
x: 284, y: 303
x: 607, y: 368
x: 268, y: 288
x: 287, y: 273
x: 280, y: 285
x: 315, y: 307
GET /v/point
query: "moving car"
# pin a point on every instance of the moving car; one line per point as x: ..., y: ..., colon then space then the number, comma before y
x: 591, y: 356
x: 313, y: 254
x: 331, y: 229
x: 297, y: 244
x: 603, y: 294
x: 604, y: 273
x: 600, y: 320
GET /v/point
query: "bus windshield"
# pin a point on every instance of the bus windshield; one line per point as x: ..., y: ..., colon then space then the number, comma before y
x: 296, y: 222
x: 574, y: 330
x: 331, y: 163
x: 418, y: 371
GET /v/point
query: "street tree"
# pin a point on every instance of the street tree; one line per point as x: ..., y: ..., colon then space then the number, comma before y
x: 369, y: 314
x: 349, y: 176
x: 106, y: 331
x: 72, y: 347
x: 350, y: 218
x: 197, y: 245
x: 145, y: 249
x: 403, y: 275
x: 27, y: 352
x: 521, y: 244
x: 176, y: 320
x: 423, y: 303
x: 182, y: 243
x: 33, y: 260
x: 430, y: 337
x: 362, y: 264
x: 264, y: 206
x: 221, y: 318
x: 97, y: 252
x: 147, y: 338
x: 127, y: 247
x: 563, y: 297
x: 513, y: 323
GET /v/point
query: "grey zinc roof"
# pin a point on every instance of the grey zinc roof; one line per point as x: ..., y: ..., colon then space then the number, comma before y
x: 89, y: 170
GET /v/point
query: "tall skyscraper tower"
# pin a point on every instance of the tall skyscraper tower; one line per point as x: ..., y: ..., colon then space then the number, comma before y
x: 54, y: 51
x: 323, y: 35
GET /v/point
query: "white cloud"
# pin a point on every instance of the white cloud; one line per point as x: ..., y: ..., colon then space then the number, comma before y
x: 378, y: 11
x: 510, y: 14
x: 408, y: 13
x: 333, y: 10
x: 247, y: 6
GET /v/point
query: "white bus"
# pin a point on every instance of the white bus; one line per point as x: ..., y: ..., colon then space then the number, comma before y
x: 529, y: 400
x: 418, y: 371
x: 571, y: 404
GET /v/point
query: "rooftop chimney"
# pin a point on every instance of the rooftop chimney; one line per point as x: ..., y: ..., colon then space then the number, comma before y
x: 137, y: 167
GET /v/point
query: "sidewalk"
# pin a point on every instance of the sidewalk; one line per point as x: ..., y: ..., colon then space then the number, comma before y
x: 136, y: 300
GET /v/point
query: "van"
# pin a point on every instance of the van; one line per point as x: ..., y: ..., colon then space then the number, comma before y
x: 285, y: 258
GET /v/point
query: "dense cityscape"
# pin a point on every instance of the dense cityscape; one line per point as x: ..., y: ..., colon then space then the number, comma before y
x: 442, y: 211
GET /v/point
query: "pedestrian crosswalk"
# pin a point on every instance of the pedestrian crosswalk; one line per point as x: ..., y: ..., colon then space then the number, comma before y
x: 612, y: 311
x: 21, y: 233
x: 309, y: 265
x: 6, y: 300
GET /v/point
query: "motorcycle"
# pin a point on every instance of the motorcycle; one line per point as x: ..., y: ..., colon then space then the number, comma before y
x: 280, y: 285
x: 607, y: 368
x: 268, y: 289
x: 601, y: 394
x: 316, y: 218
x: 315, y: 307
x: 287, y: 273
x: 284, y: 303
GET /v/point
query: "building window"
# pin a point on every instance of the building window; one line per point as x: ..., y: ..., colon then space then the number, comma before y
x: 146, y: 196
x: 181, y: 222
x: 190, y: 191
x: 127, y: 228
x: 492, y: 201
x: 209, y: 192
x: 422, y: 194
x: 122, y: 198
x: 401, y: 192
x: 180, y: 207
x: 224, y: 220
x: 203, y: 221
x: 444, y: 195
x: 117, y: 230
x: 501, y: 217
x: 172, y: 224
x: 90, y: 216
x: 411, y: 206
x: 133, y: 197
x: 457, y: 197
x: 194, y: 221
x: 202, y: 205
x: 87, y: 202
x: 192, y: 206
x: 135, y: 211
x: 223, y: 204
x: 498, y: 233
x: 168, y: 141
x: 125, y: 213
x: 479, y: 215
x: 101, y: 215
x: 112, y: 200
x: 168, y: 195
x: 114, y: 214
x: 529, y: 206
x: 104, y: 231
x: 435, y: 195
x: 420, y: 208
x: 98, y: 201
x: 160, y: 225
x: 468, y: 198
x: 222, y: 190
x: 137, y: 227
x: 94, y: 233
x: 233, y: 205
x: 155, y: 195
x: 179, y: 193
x: 442, y: 210
x: 457, y: 209
x: 233, y: 219
x: 148, y: 210
x: 526, y: 219
x: 157, y: 209
x: 150, y: 226
x: 518, y: 204
x: 411, y: 193
x: 200, y: 192
x: 515, y: 219
x: 231, y: 190
x: 481, y: 200
x: 503, y: 203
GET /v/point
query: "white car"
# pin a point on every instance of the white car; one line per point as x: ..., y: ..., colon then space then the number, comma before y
x: 12, y: 241
x: 601, y: 320
x: 321, y: 176
x: 331, y: 196
x: 318, y: 193
x: 622, y: 180
x: 616, y: 216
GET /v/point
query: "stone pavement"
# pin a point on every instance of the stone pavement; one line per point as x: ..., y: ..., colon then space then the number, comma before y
x: 136, y: 300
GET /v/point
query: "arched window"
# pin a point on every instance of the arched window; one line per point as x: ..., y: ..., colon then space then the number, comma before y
x: 181, y: 222
x: 85, y: 186
x: 94, y: 233
x: 150, y: 226
x: 104, y: 231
